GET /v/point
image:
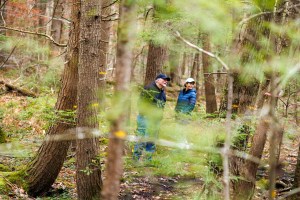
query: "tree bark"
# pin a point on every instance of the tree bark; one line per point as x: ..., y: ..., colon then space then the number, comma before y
x: 246, y: 186
x: 156, y: 58
x: 88, y: 169
x: 114, y: 167
x: 104, y: 33
x: 210, y: 93
x: 45, y: 167
x: 175, y: 69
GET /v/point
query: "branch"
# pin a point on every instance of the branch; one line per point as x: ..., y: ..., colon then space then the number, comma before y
x: 35, y: 33
x: 18, y: 89
x: 107, y: 16
x: 266, y: 13
x: 112, y: 3
x: 177, y: 34
x: 211, y: 73
x: 3, y: 4
x: 8, y: 56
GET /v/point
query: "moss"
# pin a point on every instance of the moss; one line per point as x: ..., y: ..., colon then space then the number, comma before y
x: 3, y: 185
x: 16, y: 177
x: 2, y: 136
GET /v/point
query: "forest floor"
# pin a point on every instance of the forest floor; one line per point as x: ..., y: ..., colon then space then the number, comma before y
x: 164, y: 178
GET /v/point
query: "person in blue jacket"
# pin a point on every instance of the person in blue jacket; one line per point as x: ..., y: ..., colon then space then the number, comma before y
x: 187, y: 98
x: 150, y: 105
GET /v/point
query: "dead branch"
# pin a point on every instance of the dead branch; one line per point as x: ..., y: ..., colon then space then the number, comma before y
x: 35, y: 33
x: 177, y: 34
x: 19, y: 90
x: 8, y: 56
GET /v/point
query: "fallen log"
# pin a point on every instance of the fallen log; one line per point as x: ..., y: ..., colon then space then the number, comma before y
x: 22, y: 91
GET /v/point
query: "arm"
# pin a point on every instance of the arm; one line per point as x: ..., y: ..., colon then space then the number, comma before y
x: 192, y: 102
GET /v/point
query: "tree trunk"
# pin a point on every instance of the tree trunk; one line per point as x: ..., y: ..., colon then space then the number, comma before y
x: 104, y: 33
x: 246, y: 186
x: 296, y: 183
x: 88, y: 169
x: 156, y: 58
x: 57, y: 24
x: 175, y: 69
x: 45, y: 167
x: 195, y: 67
x: 183, y: 64
x: 210, y: 93
x: 114, y: 167
x: 65, y: 15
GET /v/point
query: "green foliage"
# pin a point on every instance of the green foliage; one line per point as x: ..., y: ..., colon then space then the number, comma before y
x: 240, y: 139
x: 266, y: 5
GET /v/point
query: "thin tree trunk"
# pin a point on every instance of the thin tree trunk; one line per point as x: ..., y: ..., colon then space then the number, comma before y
x: 88, y: 169
x: 246, y: 186
x: 114, y: 167
x: 195, y: 67
x: 175, y: 69
x: 45, y: 167
x: 105, y: 31
x: 57, y: 24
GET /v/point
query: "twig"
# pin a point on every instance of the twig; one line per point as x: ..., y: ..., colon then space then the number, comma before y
x: 8, y: 56
x: 177, y: 34
x: 35, y: 33
x: 290, y: 193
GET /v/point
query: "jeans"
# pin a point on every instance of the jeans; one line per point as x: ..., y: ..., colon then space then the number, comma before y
x: 145, y: 130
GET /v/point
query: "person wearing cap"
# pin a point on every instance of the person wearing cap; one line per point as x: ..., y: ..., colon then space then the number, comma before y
x: 187, y: 98
x: 150, y: 105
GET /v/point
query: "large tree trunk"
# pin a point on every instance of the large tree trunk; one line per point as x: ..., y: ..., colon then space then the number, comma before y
x: 210, y: 93
x: 88, y: 169
x: 114, y: 167
x: 157, y: 55
x: 45, y: 167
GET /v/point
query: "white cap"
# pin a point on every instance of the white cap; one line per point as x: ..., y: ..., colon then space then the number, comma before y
x: 190, y: 80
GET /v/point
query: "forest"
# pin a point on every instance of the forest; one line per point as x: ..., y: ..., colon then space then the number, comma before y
x: 150, y: 99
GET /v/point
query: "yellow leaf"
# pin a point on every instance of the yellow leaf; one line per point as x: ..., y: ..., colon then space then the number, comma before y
x: 102, y: 73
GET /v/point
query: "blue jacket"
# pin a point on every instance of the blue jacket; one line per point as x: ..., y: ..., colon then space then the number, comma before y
x: 152, y: 100
x: 186, y: 101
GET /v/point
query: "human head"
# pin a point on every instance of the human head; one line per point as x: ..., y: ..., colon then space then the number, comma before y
x: 189, y: 83
x: 161, y: 80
